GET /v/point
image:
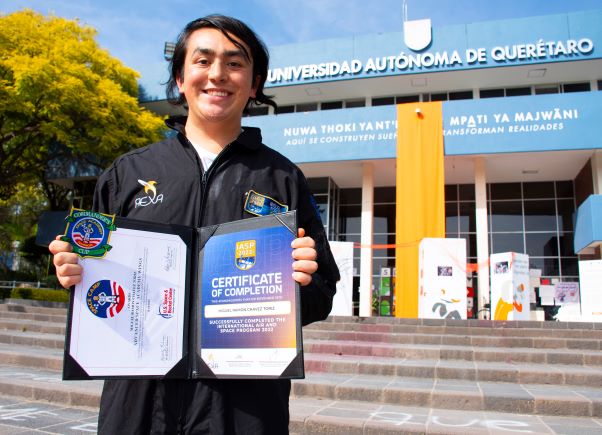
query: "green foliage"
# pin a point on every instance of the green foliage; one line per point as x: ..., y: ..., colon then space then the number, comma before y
x: 58, y: 86
x: 19, y: 214
x: 40, y: 294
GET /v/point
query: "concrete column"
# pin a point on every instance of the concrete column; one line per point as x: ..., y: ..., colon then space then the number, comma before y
x: 480, y: 181
x: 366, y: 240
x: 597, y: 171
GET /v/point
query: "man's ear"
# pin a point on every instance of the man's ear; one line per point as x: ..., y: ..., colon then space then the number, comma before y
x: 180, y: 82
x: 255, y: 86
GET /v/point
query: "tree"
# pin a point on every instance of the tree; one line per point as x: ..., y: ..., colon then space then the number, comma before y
x: 57, y: 86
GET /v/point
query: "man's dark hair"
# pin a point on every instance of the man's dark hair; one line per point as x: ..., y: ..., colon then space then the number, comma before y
x: 230, y: 27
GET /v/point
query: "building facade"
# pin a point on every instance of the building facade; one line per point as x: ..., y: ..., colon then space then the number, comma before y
x: 490, y: 132
x: 520, y: 125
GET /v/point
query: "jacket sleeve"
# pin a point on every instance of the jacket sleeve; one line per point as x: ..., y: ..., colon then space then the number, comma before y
x: 316, y: 297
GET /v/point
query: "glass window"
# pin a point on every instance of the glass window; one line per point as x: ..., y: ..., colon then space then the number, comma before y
x: 284, y: 109
x: 576, y: 87
x: 439, y: 97
x: 564, y: 189
x: 540, y: 215
x: 566, y: 214
x: 542, y: 244
x: 538, y: 190
x: 506, y: 216
x: 258, y: 111
x: 505, y: 191
x: 451, y: 217
x: 307, y: 107
x: 509, y: 242
x: 351, y: 196
x: 460, y: 95
x: 570, y: 266
x: 384, y: 194
x: 407, y: 99
x: 491, y: 93
x: 466, y: 192
x: 514, y: 92
x: 331, y: 105
x: 451, y: 235
x: 467, y: 217
x: 548, y: 266
x: 383, y: 101
x: 451, y: 192
x: 546, y: 90
x: 384, y: 218
x: 471, y: 244
x: 567, y: 249
x: 355, y: 103
x: 350, y: 218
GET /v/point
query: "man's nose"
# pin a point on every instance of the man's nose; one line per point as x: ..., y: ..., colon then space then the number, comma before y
x: 218, y: 71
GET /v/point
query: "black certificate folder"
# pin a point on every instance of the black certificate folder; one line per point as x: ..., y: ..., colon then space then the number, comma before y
x: 168, y: 301
x: 128, y: 317
x: 248, y: 322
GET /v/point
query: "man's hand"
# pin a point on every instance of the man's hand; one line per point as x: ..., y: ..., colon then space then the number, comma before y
x: 68, y: 271
x: 305, y: 255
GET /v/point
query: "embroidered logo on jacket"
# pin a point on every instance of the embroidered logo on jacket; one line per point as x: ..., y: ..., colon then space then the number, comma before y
x: 262, y: 205
x: 151, y: 197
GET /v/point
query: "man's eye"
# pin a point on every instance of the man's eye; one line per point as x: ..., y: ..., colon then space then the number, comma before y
x: 203, y: 61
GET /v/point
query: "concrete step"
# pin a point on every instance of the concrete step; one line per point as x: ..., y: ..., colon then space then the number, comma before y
x: 47, y: 385
x: 47, y: 358
x: 32, y: 326
x: 387, y: 325
x: 31, y: 357
x: 309, y: 415
x: 535, y: 399
x: 29, y: 307
x: 467, y: 353
x: 450, y: 339
x: 36, y: 339
x: 526, y: 373
x: 60, y: 319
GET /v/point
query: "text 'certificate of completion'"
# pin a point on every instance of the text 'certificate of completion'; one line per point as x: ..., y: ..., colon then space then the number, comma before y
x: 249, y: 323
x: 128, y: 312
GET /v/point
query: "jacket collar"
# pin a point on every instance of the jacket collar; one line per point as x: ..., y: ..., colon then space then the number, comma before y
x: 250, y: 137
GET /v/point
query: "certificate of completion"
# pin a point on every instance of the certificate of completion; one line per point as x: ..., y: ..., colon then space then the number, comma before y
x: 168, y: 301
x: 128, y: 312
x: 249, y: 324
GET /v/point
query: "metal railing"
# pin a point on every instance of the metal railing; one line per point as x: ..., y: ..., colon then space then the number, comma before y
x: 20, y: 284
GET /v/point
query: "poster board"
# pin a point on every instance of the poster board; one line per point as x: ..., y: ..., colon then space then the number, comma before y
x: 442, y: 279
x: 510, y: 286
x: 342, y: 303
x: 590, y: 277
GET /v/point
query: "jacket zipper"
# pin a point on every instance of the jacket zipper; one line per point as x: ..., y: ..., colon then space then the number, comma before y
x: 205, y: 174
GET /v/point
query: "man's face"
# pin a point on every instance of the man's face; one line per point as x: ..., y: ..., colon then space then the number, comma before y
x: 217, y: 79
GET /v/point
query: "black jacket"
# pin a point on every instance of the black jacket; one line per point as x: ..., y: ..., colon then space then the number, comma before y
x: 164, y: 182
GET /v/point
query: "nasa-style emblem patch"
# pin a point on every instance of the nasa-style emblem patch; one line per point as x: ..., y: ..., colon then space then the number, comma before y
x: 105, y: 298
x: 89, y: 232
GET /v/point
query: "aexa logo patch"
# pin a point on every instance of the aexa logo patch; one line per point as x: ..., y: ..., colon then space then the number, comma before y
x: 151, y: 197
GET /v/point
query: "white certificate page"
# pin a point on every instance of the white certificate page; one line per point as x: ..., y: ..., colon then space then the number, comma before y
x: 128, y: 311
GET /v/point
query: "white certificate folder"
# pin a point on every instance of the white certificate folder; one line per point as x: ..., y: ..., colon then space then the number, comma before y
x: 170, y: 301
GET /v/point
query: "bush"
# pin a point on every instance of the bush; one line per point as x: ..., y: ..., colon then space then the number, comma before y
x: 40, y: 294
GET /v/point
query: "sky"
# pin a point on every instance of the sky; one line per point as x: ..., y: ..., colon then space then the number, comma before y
x: 135, y: 31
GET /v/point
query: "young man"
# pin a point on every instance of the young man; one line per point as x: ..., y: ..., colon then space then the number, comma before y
x: 205, y: 175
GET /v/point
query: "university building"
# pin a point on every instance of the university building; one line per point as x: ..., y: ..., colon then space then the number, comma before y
x: 490, y: 132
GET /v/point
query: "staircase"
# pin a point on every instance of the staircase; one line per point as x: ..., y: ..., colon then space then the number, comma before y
x: 379, y: 375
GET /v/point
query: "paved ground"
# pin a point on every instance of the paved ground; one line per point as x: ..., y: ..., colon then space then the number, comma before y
x: 19, y: 416
x: 31, y: 417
